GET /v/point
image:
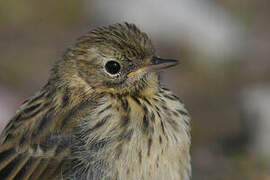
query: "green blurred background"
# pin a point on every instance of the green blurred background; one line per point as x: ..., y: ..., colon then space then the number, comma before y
x: 224, y: 77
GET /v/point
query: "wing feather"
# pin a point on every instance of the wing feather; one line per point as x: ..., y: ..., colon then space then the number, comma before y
x: 28, y: 143
x: 17, y: 167
x: 31, y: 167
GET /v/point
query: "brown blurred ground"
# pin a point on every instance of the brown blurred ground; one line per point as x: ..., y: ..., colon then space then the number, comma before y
x: 225, y: 123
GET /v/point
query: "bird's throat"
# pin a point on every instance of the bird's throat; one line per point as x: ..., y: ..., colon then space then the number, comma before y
x: 129, y: 134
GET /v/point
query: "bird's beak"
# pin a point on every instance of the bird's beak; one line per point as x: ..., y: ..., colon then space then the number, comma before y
x: 156, y: 64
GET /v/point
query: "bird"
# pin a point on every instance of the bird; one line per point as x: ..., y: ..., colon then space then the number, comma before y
x: 102, y: 115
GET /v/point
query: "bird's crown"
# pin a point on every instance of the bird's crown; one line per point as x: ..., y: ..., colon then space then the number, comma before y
x: 116, y: 59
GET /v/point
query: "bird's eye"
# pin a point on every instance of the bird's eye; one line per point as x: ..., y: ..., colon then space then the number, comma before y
x: 112, y: 67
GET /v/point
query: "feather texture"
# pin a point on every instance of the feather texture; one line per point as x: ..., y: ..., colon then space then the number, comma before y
x: 86, y: 123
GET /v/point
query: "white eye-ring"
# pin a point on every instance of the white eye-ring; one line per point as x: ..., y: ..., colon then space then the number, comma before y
x: 112, y: 67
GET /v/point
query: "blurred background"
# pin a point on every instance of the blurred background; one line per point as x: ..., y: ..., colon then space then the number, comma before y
x: 224, y: 77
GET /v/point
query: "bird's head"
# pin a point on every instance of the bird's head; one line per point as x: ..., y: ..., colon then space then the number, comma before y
x: 116, y: 59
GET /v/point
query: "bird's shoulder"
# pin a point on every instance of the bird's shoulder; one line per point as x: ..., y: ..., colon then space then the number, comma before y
x: 39, y: 135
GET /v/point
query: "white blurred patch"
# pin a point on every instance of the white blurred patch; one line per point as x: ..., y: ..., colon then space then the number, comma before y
x: 202, y: 24
x: 256, y: 101
x: 8, y: 103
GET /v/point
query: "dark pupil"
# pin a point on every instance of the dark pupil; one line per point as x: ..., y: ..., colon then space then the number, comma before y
x: 112, y: 67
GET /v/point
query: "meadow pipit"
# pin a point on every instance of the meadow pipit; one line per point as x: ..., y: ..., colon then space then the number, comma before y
x: 102, y: 116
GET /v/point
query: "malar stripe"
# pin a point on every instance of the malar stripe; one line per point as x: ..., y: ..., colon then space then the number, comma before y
x: 124, y: 102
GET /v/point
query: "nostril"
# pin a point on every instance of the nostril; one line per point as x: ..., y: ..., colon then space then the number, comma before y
x: 155, y: 60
